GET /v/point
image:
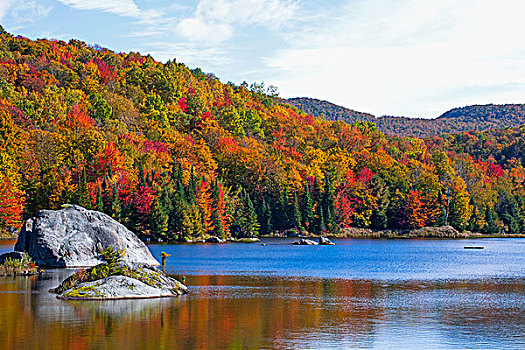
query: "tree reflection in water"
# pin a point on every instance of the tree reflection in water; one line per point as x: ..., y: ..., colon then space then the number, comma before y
x: 270, y: 312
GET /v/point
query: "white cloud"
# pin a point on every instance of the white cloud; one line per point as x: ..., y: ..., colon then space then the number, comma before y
x: 199, y: 29
x: 407, y: 57
x: 118, y: 7
x: 21, y: 11
x: 214, y: 21
x: 4, y: 7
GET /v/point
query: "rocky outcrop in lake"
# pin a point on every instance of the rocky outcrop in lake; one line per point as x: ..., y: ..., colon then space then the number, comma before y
x: 304, y: 241
x: 118, y: 280
x: 325, y: 241
x: 116, y: 287
x: 322, y: 241
x: 74, y: 237
x: 246, y: 240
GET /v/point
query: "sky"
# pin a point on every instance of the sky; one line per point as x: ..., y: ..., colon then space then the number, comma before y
x: 413, y: 58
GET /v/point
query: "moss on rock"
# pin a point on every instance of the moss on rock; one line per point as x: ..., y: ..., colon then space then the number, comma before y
x: 150, y: 280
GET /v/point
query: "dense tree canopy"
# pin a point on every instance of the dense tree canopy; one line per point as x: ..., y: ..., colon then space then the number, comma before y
x: 174, y: 153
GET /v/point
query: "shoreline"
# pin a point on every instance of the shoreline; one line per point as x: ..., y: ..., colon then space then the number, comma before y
x: 365, y: 234
x: 408, y: 236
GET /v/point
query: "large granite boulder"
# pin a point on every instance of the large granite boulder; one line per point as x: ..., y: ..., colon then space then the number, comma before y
x: 74, y: 236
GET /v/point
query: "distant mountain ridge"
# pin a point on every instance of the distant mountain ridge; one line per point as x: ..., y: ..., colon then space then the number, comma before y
x: 476, y: 117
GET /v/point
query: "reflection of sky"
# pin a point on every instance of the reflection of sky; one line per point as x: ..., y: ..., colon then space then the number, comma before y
x: 370, y: 259
x: 6, y: 246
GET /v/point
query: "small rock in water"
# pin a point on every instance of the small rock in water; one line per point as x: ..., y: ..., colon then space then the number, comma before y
x: 248, y: 240
x: 325, y: 241
x: 304, y: 242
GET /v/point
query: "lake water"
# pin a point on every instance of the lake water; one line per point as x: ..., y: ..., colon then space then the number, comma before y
x: 404, y: 294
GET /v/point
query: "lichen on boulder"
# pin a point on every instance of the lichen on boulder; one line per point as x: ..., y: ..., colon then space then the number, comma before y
x: 117, y: 287
x: 115, y: 279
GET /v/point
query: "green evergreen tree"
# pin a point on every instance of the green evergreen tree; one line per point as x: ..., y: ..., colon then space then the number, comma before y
x: 101, y: 111
x: 297, y: 220
x: 219, y: 227
x: 83, y: 198
x: 158, y: 219
x: 116, y: 208
x: 100, y: 202
x: 319, y: 224
x: 166, y: 195
x: 191, y: 193
x: 472, y: 220
x: 307, y: 212
x: 441, y: 219
x: 252, y: 228
x: 109, y: 174
x: 490, y: 218
x: 175, y: 223
x: 178, y: 182
x: 508, y: 211
x: 142, y: 176
x: 266, y: 217
x: 520, y: 199
x: 328, y: 204
x: 178, y: 197
x: 217, y: 221
x: 253, y: 122
x: 281, y: 212
x: 246, y: 217
x: 330, y: 225
x: 192, y: 222
x: 379, y: 217
x: 477, y: 218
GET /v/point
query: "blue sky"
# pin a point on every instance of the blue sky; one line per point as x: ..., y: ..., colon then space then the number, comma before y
x: 415, y: 58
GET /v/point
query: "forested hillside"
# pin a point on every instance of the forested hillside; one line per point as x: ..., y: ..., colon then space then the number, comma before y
x: 329, y: 110
x: 173, y: 153
x: 478, y: 118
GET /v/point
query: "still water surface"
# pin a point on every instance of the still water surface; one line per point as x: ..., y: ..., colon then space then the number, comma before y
x: 357, y: 294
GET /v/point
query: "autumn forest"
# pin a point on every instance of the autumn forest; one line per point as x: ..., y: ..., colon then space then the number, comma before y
x: 174, y: 153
